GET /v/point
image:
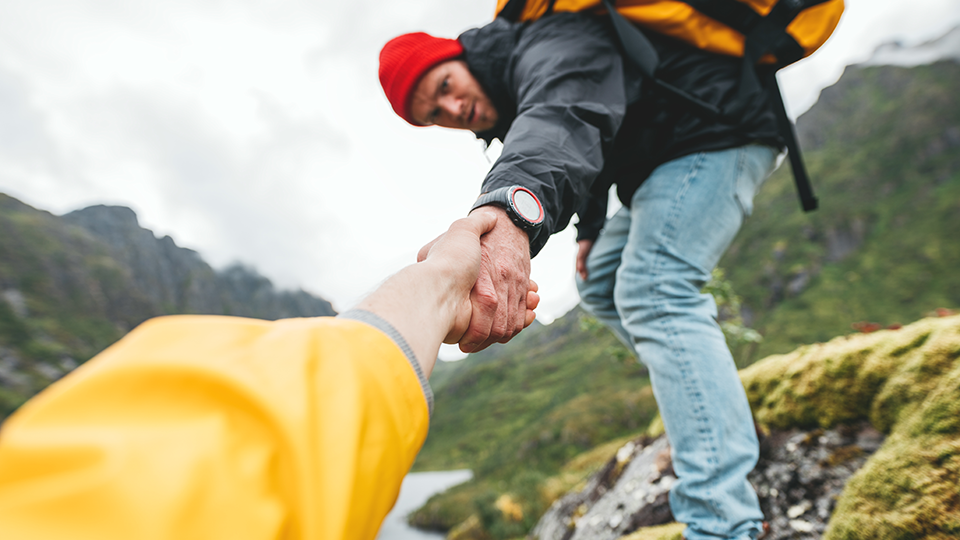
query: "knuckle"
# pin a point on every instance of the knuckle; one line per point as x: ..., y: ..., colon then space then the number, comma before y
x: 486, y: 297
x: 471, y: 337
x: 486, y: 302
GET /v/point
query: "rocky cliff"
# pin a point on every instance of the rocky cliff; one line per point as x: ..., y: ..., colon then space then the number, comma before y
x: 177, y: 279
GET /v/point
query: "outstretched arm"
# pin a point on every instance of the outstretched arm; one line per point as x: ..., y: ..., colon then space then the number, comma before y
x: 571, y: 98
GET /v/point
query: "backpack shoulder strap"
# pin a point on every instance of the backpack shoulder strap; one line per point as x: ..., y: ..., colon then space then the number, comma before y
x: 512, y: 10
x: 637, y: 48
x: 808, y: 201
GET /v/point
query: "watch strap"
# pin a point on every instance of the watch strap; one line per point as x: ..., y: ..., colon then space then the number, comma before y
x: 521, y: 204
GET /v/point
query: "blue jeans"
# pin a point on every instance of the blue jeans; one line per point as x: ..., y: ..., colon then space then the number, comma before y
x: 646, y: 271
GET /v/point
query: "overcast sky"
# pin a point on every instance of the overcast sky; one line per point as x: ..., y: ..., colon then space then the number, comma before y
x: 256, y: 131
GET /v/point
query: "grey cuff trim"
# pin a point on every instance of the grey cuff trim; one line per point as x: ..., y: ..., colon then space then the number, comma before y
x: 377, y: 322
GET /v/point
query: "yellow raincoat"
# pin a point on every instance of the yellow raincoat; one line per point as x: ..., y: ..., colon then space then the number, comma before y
x: 218, y: 428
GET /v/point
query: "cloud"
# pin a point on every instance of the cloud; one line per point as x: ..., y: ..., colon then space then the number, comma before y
x: 33, y: 164
x: 23, y: 128
x: 232, y: 198
x: 256, y: 130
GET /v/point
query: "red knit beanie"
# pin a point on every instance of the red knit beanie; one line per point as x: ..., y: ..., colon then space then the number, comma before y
x: 405, y: 59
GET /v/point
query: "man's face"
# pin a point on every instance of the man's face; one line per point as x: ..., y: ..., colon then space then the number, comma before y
x: 448, y: 95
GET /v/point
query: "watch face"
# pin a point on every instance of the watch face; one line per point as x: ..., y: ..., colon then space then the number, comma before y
x: 527, y: 205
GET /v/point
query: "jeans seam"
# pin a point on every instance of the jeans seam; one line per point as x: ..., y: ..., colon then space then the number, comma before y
x: 691, y: 384
x: 677, y: 202
x: 741, y: 159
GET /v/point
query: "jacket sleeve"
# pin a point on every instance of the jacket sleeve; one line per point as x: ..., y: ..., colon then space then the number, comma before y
x: 571, y: 99
x: 217, y: 427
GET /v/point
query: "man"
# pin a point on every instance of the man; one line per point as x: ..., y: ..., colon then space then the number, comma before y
x: 574, y: 120
x: 221, y: 427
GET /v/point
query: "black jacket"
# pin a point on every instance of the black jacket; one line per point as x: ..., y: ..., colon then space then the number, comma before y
x: 574, y: 119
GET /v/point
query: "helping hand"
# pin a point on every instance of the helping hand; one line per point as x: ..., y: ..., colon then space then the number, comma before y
x: 503, y: 297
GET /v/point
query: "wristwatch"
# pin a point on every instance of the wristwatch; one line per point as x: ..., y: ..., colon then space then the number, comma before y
x: 521, y: 204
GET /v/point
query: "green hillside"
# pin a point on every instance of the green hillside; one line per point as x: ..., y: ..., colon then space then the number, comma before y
x: 883, y: 149
x: 58, y: 311
x: 514, y: 414
x: 536, y: 393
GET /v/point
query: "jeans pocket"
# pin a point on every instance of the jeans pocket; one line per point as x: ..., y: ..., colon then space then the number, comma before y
x: 755, y: 163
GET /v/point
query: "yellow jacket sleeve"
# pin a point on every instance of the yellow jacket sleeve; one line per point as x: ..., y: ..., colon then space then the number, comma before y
x: 217, y: 427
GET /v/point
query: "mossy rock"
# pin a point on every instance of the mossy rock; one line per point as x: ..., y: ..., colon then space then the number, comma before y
x: 907, y: 384
x: 574, y: 475
x: 909, y: 488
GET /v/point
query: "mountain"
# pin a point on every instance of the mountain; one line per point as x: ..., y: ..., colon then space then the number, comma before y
x: 883, y: 150
x: 178, y: 280
x: 945, y: 47
x: 71, y: 285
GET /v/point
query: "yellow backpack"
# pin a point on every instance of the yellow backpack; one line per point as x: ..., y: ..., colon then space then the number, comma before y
x: 720, y: 26
x: 774, y: 32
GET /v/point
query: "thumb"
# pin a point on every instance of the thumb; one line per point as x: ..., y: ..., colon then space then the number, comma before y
x: 468, y: 229
x: 483, y: 221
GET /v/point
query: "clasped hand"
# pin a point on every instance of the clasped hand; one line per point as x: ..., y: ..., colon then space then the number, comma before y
x: 503, y: 297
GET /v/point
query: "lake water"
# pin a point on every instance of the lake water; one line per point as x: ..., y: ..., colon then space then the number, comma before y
x: 416, y: 489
